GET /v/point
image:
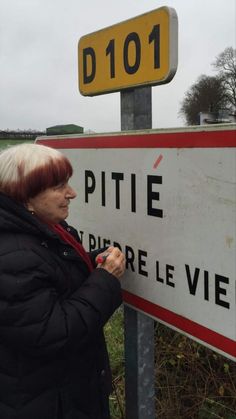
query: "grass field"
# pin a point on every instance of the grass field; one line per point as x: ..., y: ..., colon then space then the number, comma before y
x: 7, y: 143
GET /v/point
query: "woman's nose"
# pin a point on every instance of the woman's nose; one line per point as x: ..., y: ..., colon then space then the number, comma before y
x: 70, y: 193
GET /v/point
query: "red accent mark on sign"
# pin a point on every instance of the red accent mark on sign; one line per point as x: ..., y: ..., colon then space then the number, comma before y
x: 157, y: 162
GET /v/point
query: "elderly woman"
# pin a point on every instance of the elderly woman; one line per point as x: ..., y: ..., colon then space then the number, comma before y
x: 54, y: 298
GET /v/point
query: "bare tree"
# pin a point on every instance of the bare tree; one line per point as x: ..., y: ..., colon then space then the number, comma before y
x: 212, y: 94
x: 225, y: 65
x: 206, y: 95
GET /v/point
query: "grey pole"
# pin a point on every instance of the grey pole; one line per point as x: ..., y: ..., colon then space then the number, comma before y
x: 136, y: 113
x: 136, y: 108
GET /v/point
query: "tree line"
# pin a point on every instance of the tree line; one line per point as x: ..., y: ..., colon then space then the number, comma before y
x: 20, y: 134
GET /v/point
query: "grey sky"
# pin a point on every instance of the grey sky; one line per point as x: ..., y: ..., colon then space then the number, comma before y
x: 38, y: 59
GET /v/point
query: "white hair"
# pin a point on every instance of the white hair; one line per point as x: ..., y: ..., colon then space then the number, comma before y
x: 27, y: 169
x: 25, y: 156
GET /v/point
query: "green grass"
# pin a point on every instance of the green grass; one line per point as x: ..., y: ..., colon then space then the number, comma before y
x: 7, y: 143
x: 115, y: 344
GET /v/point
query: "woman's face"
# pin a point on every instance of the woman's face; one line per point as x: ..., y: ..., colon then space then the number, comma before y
x: 52, y: 205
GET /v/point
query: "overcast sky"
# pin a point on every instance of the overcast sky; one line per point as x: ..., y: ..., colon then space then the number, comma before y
x: 38, y: 59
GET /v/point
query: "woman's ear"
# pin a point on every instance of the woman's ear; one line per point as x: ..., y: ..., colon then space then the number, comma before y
x: 29, y: 206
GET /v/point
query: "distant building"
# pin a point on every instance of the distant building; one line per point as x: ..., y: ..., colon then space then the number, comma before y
x: 221, y: 117
x: 64, y: 129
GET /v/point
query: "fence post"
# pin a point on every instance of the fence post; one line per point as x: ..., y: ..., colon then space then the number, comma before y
x: 136, y: 113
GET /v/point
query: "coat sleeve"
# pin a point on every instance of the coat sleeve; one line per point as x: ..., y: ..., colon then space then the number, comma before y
x: 37, y: 319
x: 93, y: 254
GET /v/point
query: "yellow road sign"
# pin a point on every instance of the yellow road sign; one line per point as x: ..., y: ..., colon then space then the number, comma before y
x: 136, y: 52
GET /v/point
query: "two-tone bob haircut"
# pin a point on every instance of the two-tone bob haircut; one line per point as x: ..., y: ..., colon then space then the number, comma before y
x: 28, y: 169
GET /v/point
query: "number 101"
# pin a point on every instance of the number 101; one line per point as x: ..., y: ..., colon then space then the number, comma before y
x: 131, y: 38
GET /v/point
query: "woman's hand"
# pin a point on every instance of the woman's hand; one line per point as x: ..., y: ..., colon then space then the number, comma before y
x: 112, y: 260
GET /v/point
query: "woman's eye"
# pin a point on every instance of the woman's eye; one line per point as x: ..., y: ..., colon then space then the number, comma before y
x: 60, y: 185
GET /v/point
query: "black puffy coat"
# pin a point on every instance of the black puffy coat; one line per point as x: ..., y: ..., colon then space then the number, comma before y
x: 53, y: 358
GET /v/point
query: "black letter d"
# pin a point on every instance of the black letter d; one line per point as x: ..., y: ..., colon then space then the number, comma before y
x: 88, y: 78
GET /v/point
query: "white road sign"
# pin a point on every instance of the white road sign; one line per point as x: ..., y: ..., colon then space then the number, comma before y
x: 168, y: 199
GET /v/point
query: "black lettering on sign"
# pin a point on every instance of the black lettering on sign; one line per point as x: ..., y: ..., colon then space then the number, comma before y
x: 92, y: 242
x: 155, y: 38
x: 219, y: 290
x: 141, y: 262
x: 103, y: 178
x: 106, y: 242
x: 132, y: 37
x: 81, y: 233
x: 169, y: 275
x: 110, y: 50
x: 116, y: 244
x: 98, y: 242
x: 89, y: 54
x: 218, y: 281
x: 206, y: 285
x: 153, y: 196
x: 90, y: 183
x: 158, y: 277
x: 133, y: 192
x: 192, y: 282
x: 169, y: 269
x: 117, y: 177
x: 129, y: 255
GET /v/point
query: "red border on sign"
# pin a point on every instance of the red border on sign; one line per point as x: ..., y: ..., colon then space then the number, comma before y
x: 217, y: 138
x: 200, y: 139
x: 183, y: 324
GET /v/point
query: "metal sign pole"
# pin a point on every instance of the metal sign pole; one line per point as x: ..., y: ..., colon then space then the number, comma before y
x: 136, y: 113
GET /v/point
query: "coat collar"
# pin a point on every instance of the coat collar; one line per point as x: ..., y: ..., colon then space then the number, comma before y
x: 15, y: 218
